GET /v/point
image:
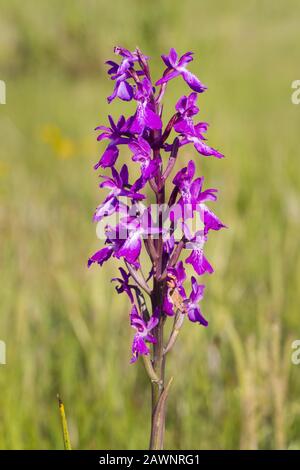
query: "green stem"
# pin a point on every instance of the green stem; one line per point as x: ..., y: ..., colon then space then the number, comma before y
x: 158, y: 419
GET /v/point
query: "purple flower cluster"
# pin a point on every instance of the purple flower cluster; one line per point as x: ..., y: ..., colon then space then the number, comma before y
x: 154, y: 148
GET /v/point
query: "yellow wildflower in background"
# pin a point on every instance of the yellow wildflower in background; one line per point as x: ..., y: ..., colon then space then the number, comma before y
x: 63, y: 147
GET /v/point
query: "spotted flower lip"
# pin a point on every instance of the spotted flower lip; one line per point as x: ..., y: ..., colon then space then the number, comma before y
x: 150, y: 164
x: 177, y: 66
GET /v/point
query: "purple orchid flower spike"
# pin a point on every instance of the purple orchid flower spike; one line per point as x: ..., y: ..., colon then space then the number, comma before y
x: 142, y: 335
x: 172, y: 234
x: 177, y: 67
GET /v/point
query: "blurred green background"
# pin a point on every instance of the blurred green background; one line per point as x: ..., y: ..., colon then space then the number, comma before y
x: 65, y: 328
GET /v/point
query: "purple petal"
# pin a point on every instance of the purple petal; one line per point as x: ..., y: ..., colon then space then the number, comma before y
x: 200, y: 128
x: 121, y: 122
x: 195, y: 315
x: 138, y: 123
x: 184, y: 126
x: 124, y: 175
x: 168, y: 306
x: 197, y: 291
x: 185, y: 59
x: 165, y: 58
x: 114, y: 67
x: 181, y: 104
x: 131, y: 249
x: 206, y: 150
x: 193, y: 82
x: 151, y: 339
x: 173, y: 57
x: 113, y: 95
x: 208, y: 195
x: 167, y: 77
x: 112, y: 123
x: 101, y: 256
x: 152, y: 120
x: 108, y: 158
x: 180, y: 272
x: 125, y: 91
x: 152, y: 323
x: 140, y: 146
x: 199, y: 262
x: 196, y: 187
x: 138, y: 347
x: 191, y: 168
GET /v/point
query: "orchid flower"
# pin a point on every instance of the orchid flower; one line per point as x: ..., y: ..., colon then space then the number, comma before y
x: 177, y: 66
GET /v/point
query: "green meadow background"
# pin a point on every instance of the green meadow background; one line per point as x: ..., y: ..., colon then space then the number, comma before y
x: 65, y: 328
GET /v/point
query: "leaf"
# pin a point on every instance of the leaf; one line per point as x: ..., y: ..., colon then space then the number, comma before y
x: 66, y: 436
